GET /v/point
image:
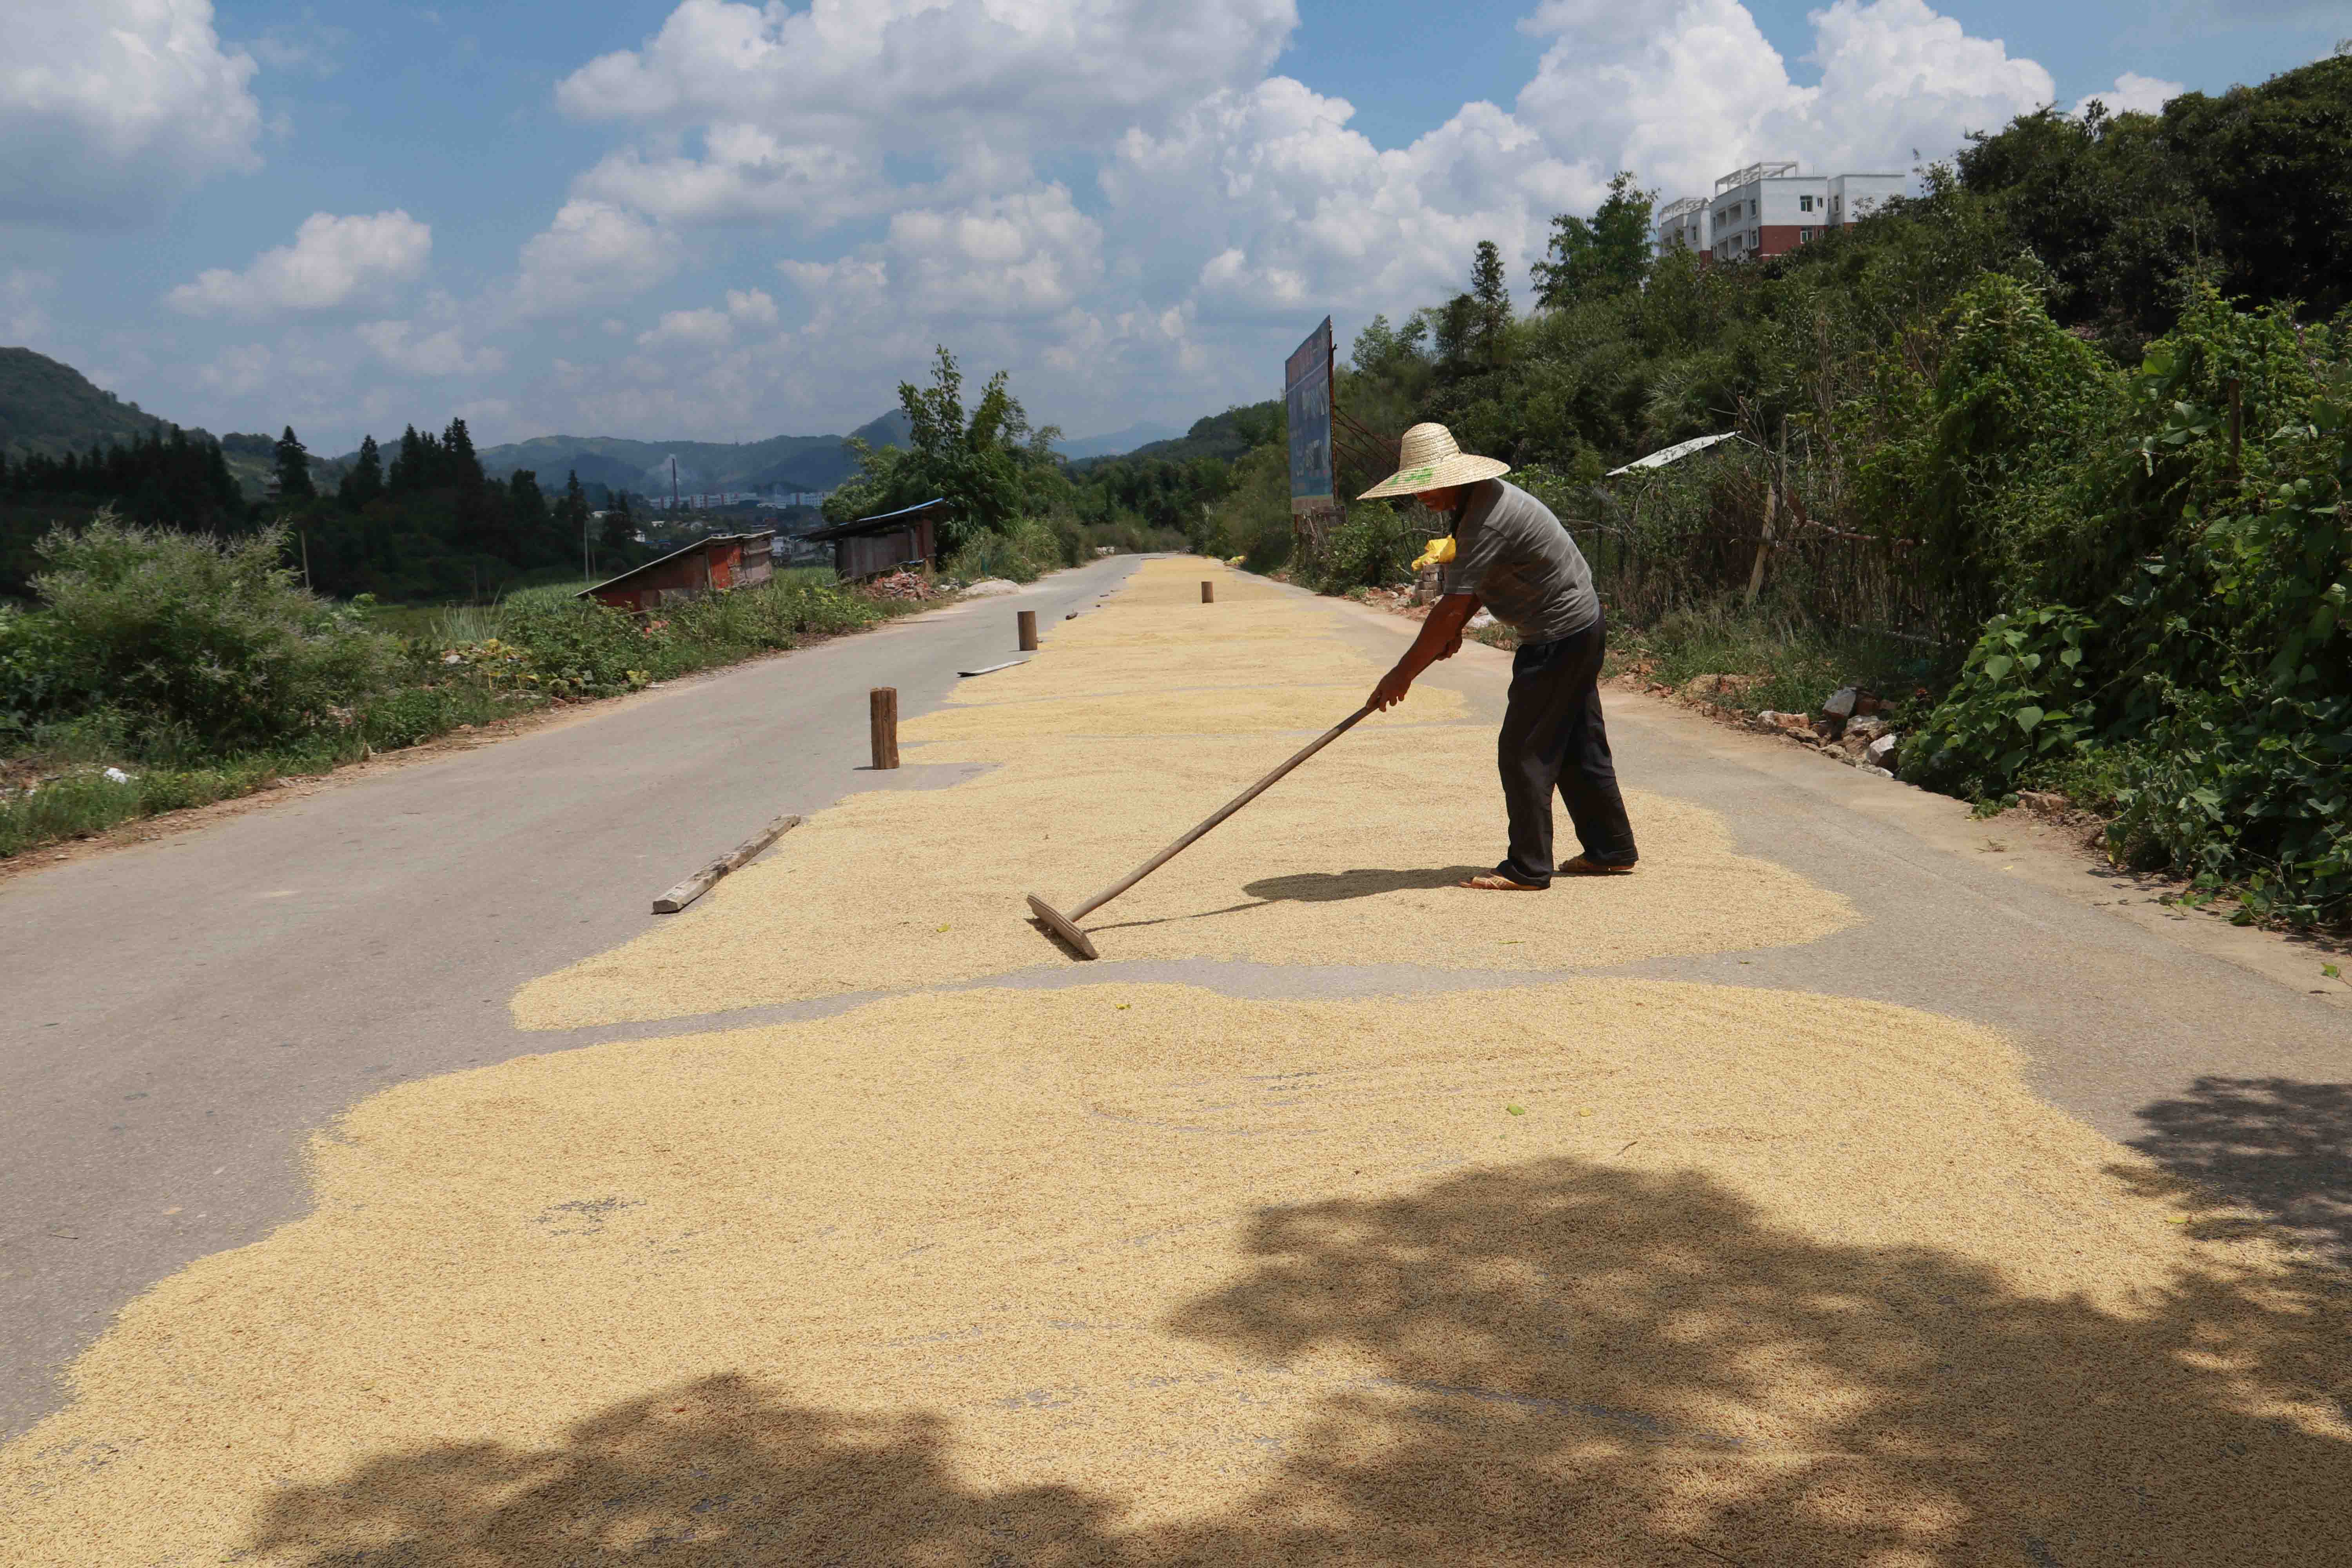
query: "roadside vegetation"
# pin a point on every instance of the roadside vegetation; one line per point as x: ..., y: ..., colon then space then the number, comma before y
x: 2052, y: 458
x: 158, y: 670
x: 1016, y: 508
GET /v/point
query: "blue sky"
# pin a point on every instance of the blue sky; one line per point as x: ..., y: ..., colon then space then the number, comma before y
x: 712, y: 220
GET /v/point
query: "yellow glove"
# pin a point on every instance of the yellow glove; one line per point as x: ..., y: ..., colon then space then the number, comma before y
x: 1439, y: 552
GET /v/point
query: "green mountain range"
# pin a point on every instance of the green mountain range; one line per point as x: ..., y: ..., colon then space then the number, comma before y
x: 790, y: 462
x: 53, y: 409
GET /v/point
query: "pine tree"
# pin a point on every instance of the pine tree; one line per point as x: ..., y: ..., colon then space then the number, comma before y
x: 1491, y: 297
x: 407, y: 472
x: 465, y: 469
x: 294, y: 470
x: 365, y: 483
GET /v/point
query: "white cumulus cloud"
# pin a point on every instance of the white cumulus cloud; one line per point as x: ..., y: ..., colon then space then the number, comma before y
x: 405, y: 348
x: 1683, y: 91
x: 111, y: 109
x: 710, y: 327
x: 1117, y: 202
x: 794, y: 110
x: 2136, y: 94
x: 594, y: 250
x: 239, y: 368
x: 332, y: 262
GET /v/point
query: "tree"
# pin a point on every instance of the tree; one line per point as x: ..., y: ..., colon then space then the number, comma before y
x: 2273, y: 164
x: 294, y: 470
x: 411, y: 465
x: 365, y: 483
x: 618, y: 536
x: 463, y: 468
x: 975, y: 463
x: 570, y: 517
x: 1606, y: 254
x: 1490, y: 292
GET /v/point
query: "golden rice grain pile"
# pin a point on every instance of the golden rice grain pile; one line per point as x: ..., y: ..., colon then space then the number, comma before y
x: 1578, y: 1273
x: 1109, y: 744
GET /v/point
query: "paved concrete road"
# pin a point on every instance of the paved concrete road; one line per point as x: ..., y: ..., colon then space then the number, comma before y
x: 192, y: 1009
x: 181, y: 1014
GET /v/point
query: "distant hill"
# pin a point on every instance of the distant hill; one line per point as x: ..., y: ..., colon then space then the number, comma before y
x: 794, y: 462
x: 1116, y: 442
x: 1224, y: 435
x: 52, y: 408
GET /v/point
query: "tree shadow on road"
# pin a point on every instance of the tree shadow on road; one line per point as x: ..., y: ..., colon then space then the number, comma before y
x: 2277, y: 1145
x: 1558, y: 1362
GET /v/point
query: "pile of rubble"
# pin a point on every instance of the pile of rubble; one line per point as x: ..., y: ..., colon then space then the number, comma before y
x: 1850, y: 728
x: 901, y: 586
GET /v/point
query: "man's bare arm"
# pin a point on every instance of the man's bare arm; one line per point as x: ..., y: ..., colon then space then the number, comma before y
x: 1441, y: 637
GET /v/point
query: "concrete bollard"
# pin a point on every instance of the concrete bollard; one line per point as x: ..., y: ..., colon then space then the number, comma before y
x: 882, y: 715
x: 1027, y: 621
x: 1208, y: 592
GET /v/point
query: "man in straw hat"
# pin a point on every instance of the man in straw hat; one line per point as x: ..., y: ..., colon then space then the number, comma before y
x: 1509, y: 552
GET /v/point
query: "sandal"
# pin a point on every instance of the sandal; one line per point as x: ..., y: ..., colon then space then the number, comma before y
x: 1584, y: 866
x: 1496, y: 882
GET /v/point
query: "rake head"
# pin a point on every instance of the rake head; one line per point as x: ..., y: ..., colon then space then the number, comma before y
x: 1058, y: 924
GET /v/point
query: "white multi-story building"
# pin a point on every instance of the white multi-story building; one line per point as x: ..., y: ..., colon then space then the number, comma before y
x: 1854, y: 198
x: 1683, y: 223
x: 1770, y: 209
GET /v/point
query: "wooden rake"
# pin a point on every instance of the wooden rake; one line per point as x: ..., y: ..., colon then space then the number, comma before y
x: 1067, y: 926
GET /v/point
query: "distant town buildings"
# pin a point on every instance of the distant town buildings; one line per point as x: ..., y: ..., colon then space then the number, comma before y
x: 1770, y: 209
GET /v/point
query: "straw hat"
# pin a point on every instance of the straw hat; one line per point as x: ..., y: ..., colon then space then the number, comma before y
x: 1427, y: 460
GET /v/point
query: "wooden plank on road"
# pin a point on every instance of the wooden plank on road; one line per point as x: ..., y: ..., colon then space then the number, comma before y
x: 735, y: 860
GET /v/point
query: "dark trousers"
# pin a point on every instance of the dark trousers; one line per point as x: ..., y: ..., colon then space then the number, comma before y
x: 1552, y: 739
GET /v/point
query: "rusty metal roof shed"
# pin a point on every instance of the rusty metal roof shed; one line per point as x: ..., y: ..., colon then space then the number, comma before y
x: 883, y: 522
x: 658, y: 561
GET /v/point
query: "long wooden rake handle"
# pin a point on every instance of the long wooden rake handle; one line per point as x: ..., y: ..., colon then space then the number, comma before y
x: 1223, y: 811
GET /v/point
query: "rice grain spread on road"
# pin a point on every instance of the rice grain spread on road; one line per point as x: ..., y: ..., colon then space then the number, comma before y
x: 1122, y: 1274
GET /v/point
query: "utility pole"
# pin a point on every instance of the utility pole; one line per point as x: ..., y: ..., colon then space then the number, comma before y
x: 673, y: 486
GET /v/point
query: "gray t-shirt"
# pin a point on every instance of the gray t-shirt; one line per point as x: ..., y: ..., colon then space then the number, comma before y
x: 1510, y: 551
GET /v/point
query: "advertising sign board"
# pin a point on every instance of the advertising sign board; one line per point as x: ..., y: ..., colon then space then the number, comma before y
x: 1306, y: 395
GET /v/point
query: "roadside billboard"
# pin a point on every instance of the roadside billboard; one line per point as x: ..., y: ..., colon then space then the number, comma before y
x: 1306, y: 395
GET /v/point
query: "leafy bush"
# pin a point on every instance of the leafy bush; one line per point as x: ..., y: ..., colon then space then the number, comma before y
x: 1253, y: 521
x: 1372, y: 546
x: 2023, y: 696
x: 1025, y: 551
x: 2247, y: 634
x: 36, y: 671
x: 533, y: 644
x: 205, y: 647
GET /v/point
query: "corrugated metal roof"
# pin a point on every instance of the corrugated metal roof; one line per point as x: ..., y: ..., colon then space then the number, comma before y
x: 1674, y: 453
x: 702, y: 543
x: 878, y: 523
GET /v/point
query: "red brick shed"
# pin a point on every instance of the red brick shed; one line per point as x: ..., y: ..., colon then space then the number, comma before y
x: 886, y: 541
x: 709, y: 565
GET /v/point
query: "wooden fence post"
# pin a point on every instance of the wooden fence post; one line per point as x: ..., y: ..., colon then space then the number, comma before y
x: 1208, y: 592
x: 1026, y: 620
x: 882, y: 705
x: 1763, y: 545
